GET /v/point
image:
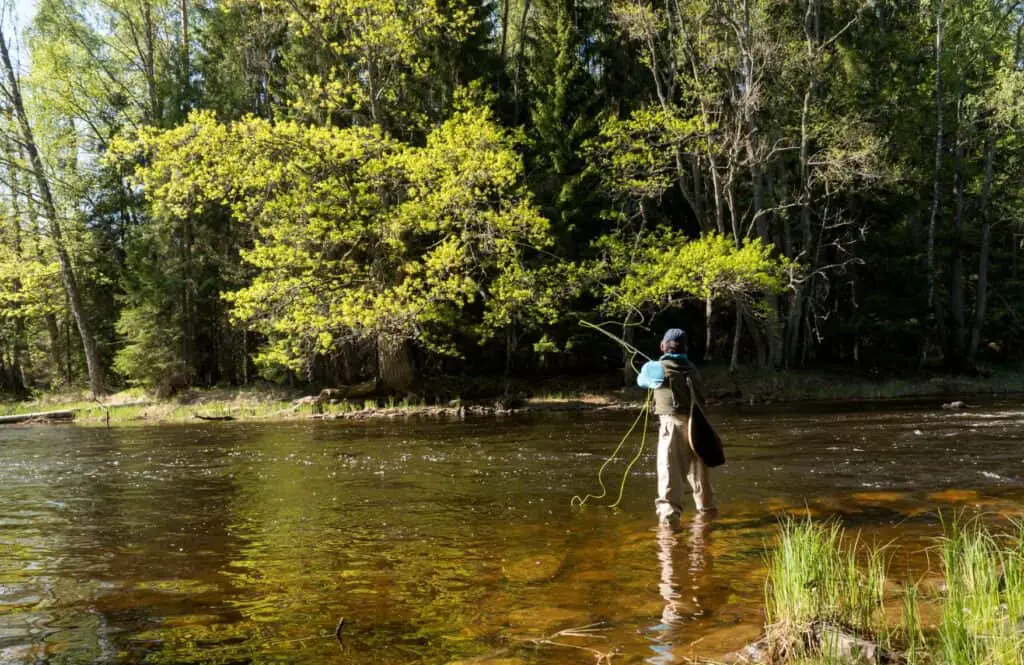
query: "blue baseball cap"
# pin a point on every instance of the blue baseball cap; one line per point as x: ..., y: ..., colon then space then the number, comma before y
x: 674, y: 335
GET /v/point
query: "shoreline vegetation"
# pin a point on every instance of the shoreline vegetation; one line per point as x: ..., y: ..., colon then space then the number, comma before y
x: 831, y: 599
x: 454, y: 398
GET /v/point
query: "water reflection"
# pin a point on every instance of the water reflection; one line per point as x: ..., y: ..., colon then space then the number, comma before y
x: 685, y: 568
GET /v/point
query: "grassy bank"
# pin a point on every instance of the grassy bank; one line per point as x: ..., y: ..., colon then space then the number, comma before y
x: 136, y: 406
x: 456, y: 396
x: 830, y: 599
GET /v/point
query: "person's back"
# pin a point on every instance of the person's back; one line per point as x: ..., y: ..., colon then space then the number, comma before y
x: 674, y: 395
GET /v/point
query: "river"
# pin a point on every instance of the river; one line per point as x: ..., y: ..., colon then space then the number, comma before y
x: 441, y: 542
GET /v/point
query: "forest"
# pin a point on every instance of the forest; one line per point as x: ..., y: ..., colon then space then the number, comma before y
x: 214, y: 192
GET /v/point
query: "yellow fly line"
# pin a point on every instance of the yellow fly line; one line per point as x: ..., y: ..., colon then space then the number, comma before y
x: 645, y: 412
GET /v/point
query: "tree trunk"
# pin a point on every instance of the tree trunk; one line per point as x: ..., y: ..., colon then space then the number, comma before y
x: 758, y: 337
x: 19, y: 383
x: 394, y: 365
x: 708, y: 312
x: 506, y: 5
x: 50, y: 319
x: 795, y: 324
x: 794, y: 327
x: 981, y: 296
x: 185, y: 56
x: 149, y: 63
x: 19, y: 346
x: 956, y: 351
x: 937, y: 172
x: 188, y: 349
x: 521, y: 56
x: 67, y: 270
x: 734, y: 360
x: 511, y: 345
x: 628, y: 373
x: 698, y: 192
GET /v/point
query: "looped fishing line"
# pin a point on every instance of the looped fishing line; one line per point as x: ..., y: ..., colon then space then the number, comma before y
x: 645, y: 412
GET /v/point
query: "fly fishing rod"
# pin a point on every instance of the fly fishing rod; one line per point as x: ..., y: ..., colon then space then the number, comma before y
x: 633, y: 351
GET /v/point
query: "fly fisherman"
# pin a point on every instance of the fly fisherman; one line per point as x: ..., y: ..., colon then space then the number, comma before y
x: 675, y: 455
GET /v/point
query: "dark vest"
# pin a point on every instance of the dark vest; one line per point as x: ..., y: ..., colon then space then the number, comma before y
x: 674, y: 394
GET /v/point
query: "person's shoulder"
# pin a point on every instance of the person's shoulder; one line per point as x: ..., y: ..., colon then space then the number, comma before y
x: 678, y: 364
x: 689, y: 367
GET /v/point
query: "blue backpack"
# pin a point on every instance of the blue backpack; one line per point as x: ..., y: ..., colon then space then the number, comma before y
x: 651, y: 376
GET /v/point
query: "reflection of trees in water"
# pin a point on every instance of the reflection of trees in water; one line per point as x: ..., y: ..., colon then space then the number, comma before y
x: 131, y: 539
x: 314, y: 541
x: 160, y: 514
x: 685, y: 568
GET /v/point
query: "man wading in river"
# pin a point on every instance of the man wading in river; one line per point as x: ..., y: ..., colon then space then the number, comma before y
x: 675, y: 455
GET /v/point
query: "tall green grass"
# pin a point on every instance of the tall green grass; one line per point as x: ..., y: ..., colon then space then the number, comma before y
x: 983, y: 615
x: 818, y: 575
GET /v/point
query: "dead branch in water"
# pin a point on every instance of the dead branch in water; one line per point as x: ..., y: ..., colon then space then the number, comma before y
x: 588, y: 631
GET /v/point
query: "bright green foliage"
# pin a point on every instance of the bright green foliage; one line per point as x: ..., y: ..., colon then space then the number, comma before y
x: 358, y: 236
x: 819, y: 128
x: 363, y: 60
x: 636, y: 156
x: 28, y: 287
x: 664, y: 269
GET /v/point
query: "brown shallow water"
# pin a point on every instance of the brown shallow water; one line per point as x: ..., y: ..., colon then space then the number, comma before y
x: 442, y: 542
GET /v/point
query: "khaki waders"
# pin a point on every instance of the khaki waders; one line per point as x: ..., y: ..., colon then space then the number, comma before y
x: 675, y: 460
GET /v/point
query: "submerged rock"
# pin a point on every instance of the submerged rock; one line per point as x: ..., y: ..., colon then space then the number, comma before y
x: 834, y: 643
x: 839, y: 646
x: 754, y: 653
x: 537, y: 568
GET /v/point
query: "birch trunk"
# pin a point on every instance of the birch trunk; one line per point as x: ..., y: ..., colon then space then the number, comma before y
x: 67, y: 271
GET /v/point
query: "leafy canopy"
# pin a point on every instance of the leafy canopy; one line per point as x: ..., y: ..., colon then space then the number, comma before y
x: 663, y: 269
x: 356, y: 235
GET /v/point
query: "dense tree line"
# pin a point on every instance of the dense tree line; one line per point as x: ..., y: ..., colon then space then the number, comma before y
x: 197, y: 193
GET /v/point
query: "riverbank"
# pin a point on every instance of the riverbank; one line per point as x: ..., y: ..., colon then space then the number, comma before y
x: 453, y: 397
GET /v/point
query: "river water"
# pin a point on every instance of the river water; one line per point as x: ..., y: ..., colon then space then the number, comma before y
x: 450, y: 542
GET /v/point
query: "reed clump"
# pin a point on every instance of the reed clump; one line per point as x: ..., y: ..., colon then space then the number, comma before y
x: 828, y: 599
x: 818, y: 577
x: 983, y: 614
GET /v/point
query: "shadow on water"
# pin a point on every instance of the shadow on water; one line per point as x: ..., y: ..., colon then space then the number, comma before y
x: 448, y: 542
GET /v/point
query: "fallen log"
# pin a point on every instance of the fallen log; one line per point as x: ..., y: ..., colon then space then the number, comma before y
x: 44, y: 415
x: 200, y: 417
